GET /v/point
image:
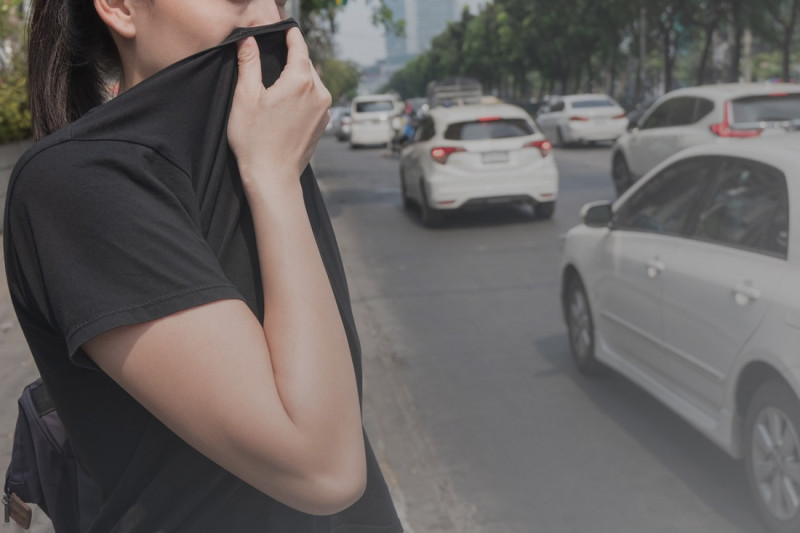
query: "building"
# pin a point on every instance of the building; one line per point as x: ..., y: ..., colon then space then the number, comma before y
x: 425, y: 19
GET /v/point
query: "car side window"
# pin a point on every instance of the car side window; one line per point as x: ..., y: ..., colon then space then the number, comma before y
x: 682, y: 111
x: 702, y: 108
x: 747, y: 208
x: 659, y: 118
x: 558, y: 106
x: 425, y: 130
x: 666, y: 202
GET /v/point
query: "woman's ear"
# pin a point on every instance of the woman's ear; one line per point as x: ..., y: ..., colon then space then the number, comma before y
x: 118, y: 16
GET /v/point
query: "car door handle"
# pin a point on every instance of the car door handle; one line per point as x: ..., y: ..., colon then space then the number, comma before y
x: 744, y: 293
x: 655, y: 267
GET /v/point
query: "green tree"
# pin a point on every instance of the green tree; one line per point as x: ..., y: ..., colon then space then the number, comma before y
x: 341, y: 78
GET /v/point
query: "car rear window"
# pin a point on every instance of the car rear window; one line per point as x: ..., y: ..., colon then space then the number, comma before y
x: 373, y: 107
x: 766, y: 108
x: 592, y: 103
x: 478, y: 130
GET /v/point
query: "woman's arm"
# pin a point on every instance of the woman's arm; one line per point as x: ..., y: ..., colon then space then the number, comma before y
x: 275, y: 403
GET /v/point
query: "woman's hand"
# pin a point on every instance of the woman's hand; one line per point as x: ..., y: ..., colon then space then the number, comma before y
x: 273, y: 132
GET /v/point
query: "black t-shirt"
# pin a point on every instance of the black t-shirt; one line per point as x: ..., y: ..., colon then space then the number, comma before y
x: 131, y: 213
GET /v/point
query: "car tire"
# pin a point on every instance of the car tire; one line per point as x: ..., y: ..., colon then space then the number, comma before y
x: 544, y: 210
x: 772, y: 455
x: 621, y: 174
x: 404, y: 192
x: 580, y: 327
x: 431, y: 217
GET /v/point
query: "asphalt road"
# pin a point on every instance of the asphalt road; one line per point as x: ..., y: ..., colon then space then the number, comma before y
x: 479, y: 417
x: 471, y: 401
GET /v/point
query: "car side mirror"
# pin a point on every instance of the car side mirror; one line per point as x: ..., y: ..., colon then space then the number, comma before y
x: 597, y: 214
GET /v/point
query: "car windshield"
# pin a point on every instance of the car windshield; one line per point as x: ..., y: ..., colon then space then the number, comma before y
x: 766, y: 108
x: 592, y: 103
x: 374, y: 107
x: 479, y: 130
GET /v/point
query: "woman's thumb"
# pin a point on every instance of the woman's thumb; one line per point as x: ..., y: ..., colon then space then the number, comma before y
x: 249, y: 62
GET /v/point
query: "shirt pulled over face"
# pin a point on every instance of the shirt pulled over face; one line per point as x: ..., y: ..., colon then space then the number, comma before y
x: 134, y: 212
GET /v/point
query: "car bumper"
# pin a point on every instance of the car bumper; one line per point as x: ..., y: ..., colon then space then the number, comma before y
x: 371, y: 133
x: 446, y: 190
x: 587, y: 132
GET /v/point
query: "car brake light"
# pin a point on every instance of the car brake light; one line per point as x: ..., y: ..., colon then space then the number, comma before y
x: 441, y: 153
x: 489, y: 119
x: 579, y: 119
x: 544, y: 146
x: 723, y: 129
x: 621, y: 115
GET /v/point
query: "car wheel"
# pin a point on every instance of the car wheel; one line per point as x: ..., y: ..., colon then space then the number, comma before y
x: 544, y: 209
x: 621, y: 174
x: 431, y: 217
x: 404, y: 191
x: 772, y: 455
x: 580, y: 327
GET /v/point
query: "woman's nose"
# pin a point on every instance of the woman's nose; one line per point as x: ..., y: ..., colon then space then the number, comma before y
x: 263, y: 12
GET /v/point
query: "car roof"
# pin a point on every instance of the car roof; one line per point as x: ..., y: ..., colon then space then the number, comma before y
x: 465, y: 113
x: 733, y: 90
x: 367, y: 97
x: 587, y: 96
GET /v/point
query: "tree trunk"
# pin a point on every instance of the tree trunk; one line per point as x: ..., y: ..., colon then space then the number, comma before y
x: 786, y: 50
x: 701, y: 71
x: 668, y: 61
x: 736, y: 53
x: 613, y: 74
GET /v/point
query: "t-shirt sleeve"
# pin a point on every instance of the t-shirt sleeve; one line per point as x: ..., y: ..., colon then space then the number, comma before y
x: 109, y: 234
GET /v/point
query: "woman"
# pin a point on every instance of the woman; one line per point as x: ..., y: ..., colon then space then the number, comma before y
x: 187, y: 310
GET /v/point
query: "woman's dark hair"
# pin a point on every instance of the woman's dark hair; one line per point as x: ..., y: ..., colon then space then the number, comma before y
x: 70, y: 56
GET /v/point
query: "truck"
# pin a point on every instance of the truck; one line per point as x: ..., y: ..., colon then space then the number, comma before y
x: 454, y: 91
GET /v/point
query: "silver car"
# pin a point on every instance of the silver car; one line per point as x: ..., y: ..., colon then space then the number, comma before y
x: 689, y: 285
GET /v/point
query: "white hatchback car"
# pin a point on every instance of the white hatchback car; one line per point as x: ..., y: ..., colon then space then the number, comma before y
x: 477, y: 155
x: 689, y: 285
x: 370, y: 119
x: 579, y: 118
x: 696, y: 115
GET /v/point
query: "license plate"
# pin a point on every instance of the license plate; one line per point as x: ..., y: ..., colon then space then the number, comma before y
x: 494, y: 157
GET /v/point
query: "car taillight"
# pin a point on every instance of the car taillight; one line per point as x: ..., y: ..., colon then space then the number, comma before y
x: 723, y: 129
x: 579, y: 119
x: 489, y: 119
x: 544, y: 146
x: 621, y: 115
x: 441, y: 153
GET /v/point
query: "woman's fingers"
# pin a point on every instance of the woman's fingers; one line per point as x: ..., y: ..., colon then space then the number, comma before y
x: 298, y: 50
x: 249, y: 64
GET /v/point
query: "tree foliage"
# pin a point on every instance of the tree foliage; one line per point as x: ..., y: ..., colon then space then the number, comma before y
x: 524, y: 48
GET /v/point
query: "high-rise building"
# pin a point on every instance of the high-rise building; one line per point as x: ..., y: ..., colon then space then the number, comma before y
x: 424, y: 20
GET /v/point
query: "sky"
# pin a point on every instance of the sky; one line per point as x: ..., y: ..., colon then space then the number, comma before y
x: 358, y: 40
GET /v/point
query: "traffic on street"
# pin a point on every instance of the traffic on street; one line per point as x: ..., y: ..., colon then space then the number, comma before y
x: 481, y: 418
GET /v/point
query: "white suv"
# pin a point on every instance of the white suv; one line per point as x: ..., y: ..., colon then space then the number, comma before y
x: 478, y: 155
x: 698, y: 115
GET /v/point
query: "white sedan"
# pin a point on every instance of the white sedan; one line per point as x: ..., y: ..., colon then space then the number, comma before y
x: 689, y: 285
x: 578, y: 118
x: 477, y: 155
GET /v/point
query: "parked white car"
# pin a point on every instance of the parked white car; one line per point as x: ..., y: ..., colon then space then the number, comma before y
x: 696, y: 115
x: 579, y: 118
x: 477, y: 155
x: 371, y: 119
x: 689, y: 285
